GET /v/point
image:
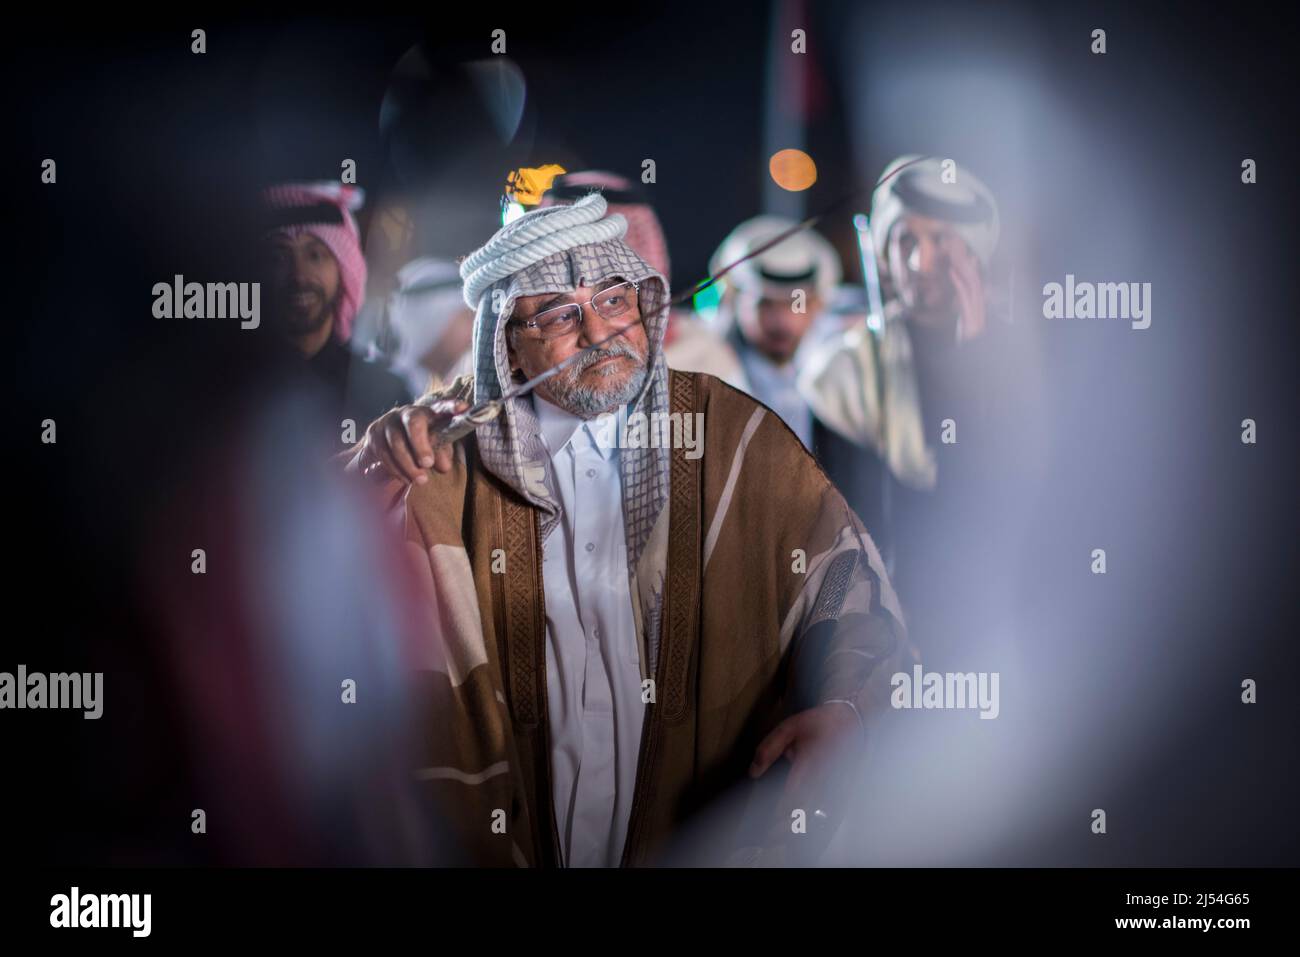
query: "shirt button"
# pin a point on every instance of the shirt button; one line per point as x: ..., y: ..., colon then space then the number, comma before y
x: 591, y: 547
x: 591, y: 473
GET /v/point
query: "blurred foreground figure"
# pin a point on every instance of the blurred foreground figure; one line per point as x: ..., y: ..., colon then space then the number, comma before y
x: 626, y: 628
x: 765, y: 325
x: 315, y: 280
x: 287, y: 650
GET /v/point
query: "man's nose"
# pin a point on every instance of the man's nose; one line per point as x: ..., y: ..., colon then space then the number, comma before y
x: 301, y: 269
x: 931, y: 258
x: 925, y: 256
x: 596, y: 327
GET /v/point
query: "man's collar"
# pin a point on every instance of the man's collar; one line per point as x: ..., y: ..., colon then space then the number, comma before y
x: 558, y: 426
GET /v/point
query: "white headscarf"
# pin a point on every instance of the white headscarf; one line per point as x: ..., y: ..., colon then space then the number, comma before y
x: 966, y: 203
x: 427, y: 298
x: 803, y: 257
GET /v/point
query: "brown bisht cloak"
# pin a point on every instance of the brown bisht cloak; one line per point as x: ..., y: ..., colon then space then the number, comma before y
x: 774, y: 596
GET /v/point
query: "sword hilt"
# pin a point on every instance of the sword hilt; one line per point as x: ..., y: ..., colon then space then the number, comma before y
x: 469, y: 420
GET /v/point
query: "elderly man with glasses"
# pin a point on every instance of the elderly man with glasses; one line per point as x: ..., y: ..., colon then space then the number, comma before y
x: 619, y: 637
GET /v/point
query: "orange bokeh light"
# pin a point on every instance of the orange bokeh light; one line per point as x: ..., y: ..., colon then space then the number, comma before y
x: 792, y: 169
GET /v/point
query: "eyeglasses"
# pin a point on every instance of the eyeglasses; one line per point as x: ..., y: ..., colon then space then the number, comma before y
x: 564, y: 320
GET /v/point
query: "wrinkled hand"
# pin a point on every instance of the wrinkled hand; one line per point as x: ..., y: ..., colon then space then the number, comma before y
x: 816, y: 742
x: 404, y: 444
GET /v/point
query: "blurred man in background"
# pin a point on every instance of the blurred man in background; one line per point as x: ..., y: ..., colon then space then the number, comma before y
x: 430, y: 324
x: 315, y: 280
x: 768, y: 318
x: 930, y: 404
x: 884, y: 388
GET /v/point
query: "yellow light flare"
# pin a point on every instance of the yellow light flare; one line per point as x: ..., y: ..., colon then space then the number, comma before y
x: 792, y: 169
x: 526, y: 186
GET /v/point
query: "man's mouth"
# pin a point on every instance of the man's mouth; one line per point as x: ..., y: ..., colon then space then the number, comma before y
x: 303, y: 300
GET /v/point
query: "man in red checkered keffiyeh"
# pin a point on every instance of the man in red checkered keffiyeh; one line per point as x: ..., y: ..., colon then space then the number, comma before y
x: 315, y: 284
x: 317, y: 271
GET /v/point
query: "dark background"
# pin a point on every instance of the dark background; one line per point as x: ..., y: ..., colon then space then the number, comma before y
x: 1122, y: 167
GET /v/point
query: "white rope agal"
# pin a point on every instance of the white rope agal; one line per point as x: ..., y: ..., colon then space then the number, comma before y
x: 534, y: 236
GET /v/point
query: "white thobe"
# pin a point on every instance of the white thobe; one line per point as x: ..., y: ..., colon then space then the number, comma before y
x: 593, y: 670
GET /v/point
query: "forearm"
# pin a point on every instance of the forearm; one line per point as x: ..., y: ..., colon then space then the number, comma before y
x: 864, y: 654
x: 851, y: 660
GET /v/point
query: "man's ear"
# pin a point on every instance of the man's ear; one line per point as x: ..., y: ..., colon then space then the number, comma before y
x: 511, y: 355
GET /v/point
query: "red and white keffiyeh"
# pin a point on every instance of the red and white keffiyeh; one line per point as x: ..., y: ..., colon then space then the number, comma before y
x: 337, y: 231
